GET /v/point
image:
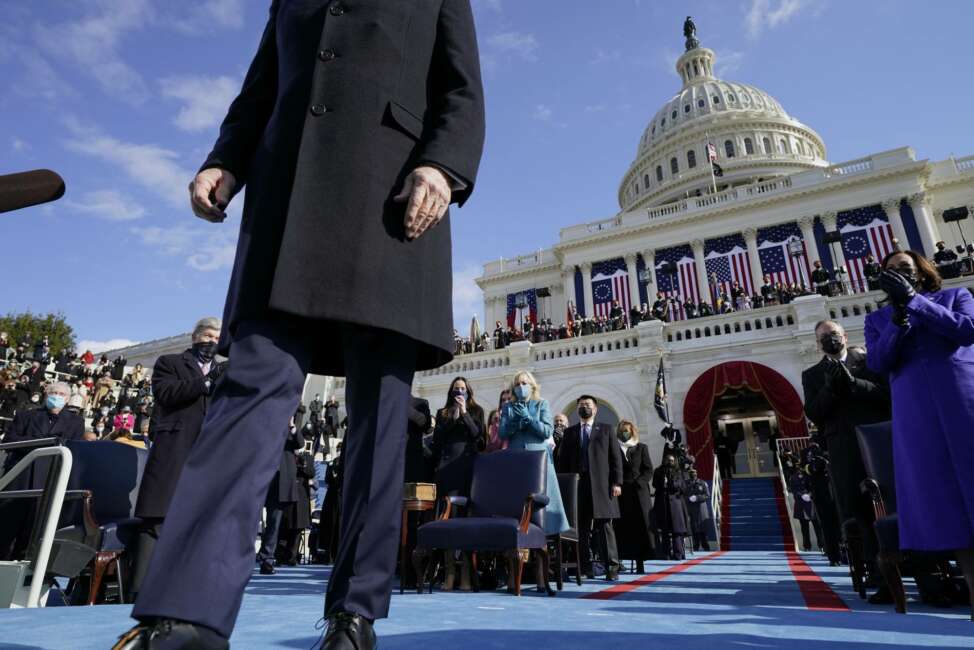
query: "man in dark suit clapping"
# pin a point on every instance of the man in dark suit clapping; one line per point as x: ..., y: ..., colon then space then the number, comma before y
x: 590, y: 450
x: 841, y: 393
x: 181, y: 384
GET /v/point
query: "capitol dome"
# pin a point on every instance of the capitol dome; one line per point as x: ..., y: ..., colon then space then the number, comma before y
x: 754, y: 137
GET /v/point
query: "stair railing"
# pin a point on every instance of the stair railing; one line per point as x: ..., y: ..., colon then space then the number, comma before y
x: 794, y: 445
x: 716, y: 492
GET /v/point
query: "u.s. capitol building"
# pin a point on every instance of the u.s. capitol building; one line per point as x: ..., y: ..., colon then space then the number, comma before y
x: 688, y: 233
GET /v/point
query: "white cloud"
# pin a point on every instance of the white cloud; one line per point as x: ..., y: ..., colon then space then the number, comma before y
x: 206, y: 248
x: 542, y: 113
x: 203, y: 16
x: 768, y: 14
x: 108, y: 204
x: 97, y: 347
x: 728, y: 63
x: 595, y: 108
x: 92, y: 44
x: 517, y: 44
x: 154, y: 168
x: 205, y: 99
x: 606, y: 56
x: 468, y: 299
x: 18, y: 145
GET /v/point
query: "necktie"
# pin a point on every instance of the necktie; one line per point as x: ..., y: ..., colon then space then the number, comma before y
x: 585, y: 438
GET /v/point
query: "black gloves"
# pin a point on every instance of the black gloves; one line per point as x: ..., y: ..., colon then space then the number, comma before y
x: 897, y: 287
x: 216, y: 371
x: 838, y: 378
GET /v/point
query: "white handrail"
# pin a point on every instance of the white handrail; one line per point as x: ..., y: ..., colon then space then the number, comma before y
x: 716, y: 499
x: 789, y: 503
x: 53, y: 515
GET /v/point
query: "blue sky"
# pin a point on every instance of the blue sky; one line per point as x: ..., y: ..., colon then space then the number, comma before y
x: 124, y: 97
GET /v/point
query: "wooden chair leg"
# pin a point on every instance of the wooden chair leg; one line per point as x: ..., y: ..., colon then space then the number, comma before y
x: 890, y: 569
x: 101, y: 562
x: 545, y: 568
x: 560, y: 578
x: 578, y: 563
x: 518, y: 571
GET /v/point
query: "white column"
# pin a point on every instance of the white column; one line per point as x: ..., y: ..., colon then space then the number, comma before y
x: 633, y: 280
x: 702, y: 280
x: 587, y: 289
x: 807, y: 226
x: 829, y: 221
x: 751, y: 239
x: 568, y: 287
x: 649, y: 260
x: 892, y: 209
x: 920, y: 202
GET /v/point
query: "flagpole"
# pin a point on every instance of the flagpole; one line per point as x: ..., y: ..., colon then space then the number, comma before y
x: 710, y: 161
x: 666, y: 402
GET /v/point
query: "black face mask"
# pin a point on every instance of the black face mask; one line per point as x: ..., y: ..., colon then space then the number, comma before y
x: 584, y: 412
x: 204, y: 350
x: 458, y: 392
x: 832, y: 343
x: 910, y: 275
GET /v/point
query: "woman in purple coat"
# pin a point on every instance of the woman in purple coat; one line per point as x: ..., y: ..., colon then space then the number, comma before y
x: 924, y: 340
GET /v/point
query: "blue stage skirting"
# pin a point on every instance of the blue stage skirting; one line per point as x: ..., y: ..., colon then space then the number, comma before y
x: 739, y: 599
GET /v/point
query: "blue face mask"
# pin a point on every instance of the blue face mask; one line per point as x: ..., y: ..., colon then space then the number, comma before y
x: 55, y: 402
x: 523, y: 392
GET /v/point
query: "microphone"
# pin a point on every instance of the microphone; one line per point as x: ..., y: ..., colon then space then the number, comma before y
x: 24, y: 189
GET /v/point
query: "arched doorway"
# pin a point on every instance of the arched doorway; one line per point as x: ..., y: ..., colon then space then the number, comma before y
x: 770, y: 387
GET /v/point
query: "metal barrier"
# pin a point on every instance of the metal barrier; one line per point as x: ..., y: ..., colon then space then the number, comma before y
x: 52, y: 505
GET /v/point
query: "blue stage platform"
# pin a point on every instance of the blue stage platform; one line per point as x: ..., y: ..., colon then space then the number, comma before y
x: 737, y: 599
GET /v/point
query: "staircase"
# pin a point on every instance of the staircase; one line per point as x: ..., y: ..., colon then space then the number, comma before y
x: 755, y: 516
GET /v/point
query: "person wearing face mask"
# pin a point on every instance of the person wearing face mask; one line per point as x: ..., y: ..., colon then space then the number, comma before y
x: 182, y: 385
x: 558, y: 435
x: 800, y: 486
x: 283, y: 491
x: 698, y: 504
x: 527, y: 424
x: 841, y: 392
x: 923, y: 339
x: 591, y: 450
x: 669, y: 509
x: 636, y: 539
x: 458, y: 436
x: 50, y: 420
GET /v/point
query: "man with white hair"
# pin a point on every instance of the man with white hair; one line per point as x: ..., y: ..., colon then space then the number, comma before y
x: 182, y: 385
x: 53, y: 420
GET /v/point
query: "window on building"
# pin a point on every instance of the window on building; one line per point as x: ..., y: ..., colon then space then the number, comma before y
x: 646, y: 180
x: 801, y: 147
x: 767, y: 145
x: 674, y: 166
x: 673, y: 115
x: 659, y: 173
x: 783, y: 146
x: 701, y: 103
x: 686, y: 108
x: 696, y: 70
x: 748, y: 146
x: 729, y: 148
x: 691, y: 159
x: 662, y: 122
x: 716, y: 99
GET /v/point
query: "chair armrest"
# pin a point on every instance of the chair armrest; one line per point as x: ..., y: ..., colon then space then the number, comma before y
x: 531, y: 502
x: 871, y: 487
x: 448, y: 503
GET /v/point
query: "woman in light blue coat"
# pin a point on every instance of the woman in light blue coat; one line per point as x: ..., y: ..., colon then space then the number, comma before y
x: 526, y: 422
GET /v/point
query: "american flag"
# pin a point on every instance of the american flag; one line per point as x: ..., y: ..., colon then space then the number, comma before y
x: 776, y: 259
x: 711, y: 152
x: 864, y: 231
x: 726, y: 257
x: 532, y: 300
x: 610, y: 281
x: 684, y: 285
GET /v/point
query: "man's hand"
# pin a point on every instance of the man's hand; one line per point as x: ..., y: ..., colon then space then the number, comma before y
x: 210, y: 192
x: 616, y: 490
x: 427, y: 191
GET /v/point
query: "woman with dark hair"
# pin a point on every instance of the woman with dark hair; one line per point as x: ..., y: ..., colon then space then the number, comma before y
x: 458, y: 436
x: 924, y: 340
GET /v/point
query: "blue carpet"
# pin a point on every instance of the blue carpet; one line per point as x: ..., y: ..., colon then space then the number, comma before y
x: 740, y: 599
x: 754, y: 521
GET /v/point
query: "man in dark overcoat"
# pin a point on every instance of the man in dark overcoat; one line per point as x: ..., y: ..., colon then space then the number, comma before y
x: 698, y: 505
x: 52, y: 420
x: 669, y: 509
x: 181, y: 384
x: 590, y: 450
x: 359, y: 122
x: 841, y: 393
x: 282, y: 493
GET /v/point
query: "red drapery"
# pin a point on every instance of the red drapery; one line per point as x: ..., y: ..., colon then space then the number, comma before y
x: 781, y: 395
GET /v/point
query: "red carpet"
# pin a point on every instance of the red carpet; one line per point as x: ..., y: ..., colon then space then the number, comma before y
x: 620, y: 589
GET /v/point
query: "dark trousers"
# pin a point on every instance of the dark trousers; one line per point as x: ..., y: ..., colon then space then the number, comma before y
x: 205, y: 555
x: 671, y: 546
x: 148, y: 537
x: 272, y: 528
x: 806, y: 539
x: 597, y: 531
x: 700, y: 542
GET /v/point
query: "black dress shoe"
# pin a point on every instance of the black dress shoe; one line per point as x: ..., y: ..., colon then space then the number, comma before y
x: 882, y: 597
x: 348, y: 632
x: 167, y: 634
x: 612, y: 576
x: 266, y: 568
